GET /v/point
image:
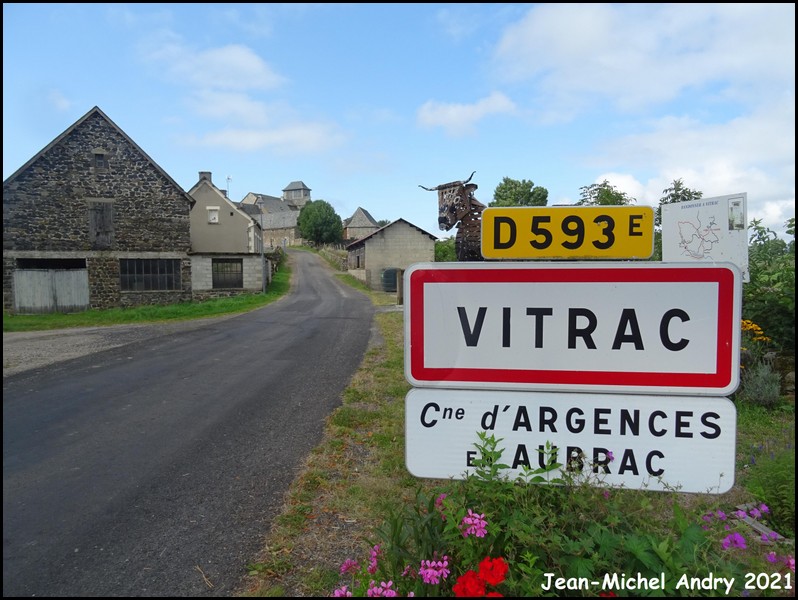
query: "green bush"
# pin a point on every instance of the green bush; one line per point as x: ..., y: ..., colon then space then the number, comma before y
x: 771, y: 478
x: 489, y: 534
x: 760, y: 384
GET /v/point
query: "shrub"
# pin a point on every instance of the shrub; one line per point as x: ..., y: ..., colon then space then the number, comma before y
x: 771, y: 478
x: 489, y: 535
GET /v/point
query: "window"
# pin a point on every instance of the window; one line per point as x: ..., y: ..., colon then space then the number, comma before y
x: 227, y: 273
x: 213, y: 214
x: 101, y: 224
x: 140, y: 274
x: 100, y: 162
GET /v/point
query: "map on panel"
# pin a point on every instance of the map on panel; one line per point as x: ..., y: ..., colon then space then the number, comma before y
x: 710, y: 229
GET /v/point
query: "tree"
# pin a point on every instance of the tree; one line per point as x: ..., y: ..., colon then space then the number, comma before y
x: 603, y: 194
x: 319, y: 223
x: 444, y: 250
x: 383, y: 222
x: 511, y: 192
x: 769, y: 296
x: 677, y: 192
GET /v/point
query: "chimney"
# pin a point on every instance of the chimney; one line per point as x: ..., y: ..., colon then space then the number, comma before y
x: 205, y: 176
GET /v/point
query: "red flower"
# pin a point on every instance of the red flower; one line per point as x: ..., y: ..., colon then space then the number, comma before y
x: 469, y: 585
x: 609, y: 594
x: 495, y: 595
x: 493, y: 570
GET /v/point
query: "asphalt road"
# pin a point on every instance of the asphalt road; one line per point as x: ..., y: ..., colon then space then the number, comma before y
x: 156, y: 467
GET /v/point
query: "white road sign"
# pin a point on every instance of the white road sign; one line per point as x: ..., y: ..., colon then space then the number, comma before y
x: 635, y: 441
x: 636, y: 327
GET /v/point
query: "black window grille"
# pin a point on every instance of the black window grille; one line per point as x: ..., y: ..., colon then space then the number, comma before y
x: 227, y: 273
x: 142, y: 274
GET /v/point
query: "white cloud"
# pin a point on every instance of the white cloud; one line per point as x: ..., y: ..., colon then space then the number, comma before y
x: 300, y: 138
x: 224, y: 105
x: 638, y: 55
x: 231, y: 67
x: 460, y: 119
x: 58, y: 101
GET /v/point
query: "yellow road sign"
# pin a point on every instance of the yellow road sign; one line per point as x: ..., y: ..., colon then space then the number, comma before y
x: 568, y: 232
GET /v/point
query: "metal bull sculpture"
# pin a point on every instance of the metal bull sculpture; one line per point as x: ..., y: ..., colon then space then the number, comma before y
x: 457, y: 206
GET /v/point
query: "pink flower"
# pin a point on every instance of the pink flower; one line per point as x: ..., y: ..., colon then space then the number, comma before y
x: 474, y: 524
x: 439, y: 505
x: 790, y: 562
x: 375, y: 552
x: 733, y: 540
x: 432, y: 571
x: 772, y: 558
x: 349, y: 566
x: 342, y: 592
x: 383, y: 590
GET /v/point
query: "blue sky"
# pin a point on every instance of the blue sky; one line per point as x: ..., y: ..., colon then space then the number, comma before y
x: 364, y: 103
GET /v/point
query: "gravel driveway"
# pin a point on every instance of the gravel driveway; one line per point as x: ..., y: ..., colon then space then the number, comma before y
x: 23, y: 351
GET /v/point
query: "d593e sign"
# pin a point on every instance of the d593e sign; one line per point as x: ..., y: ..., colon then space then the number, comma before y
x: 660, y: 328
x: 568, y: 232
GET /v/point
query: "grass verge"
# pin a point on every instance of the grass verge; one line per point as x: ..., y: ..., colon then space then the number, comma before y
x: 357, y: 477
x: 279, y: 286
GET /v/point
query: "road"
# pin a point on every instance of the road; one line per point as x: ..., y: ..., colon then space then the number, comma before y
x: 155, y: 468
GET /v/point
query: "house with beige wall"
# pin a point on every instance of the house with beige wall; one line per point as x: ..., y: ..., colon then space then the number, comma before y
x: 395, y: 246
x: 227, y: 255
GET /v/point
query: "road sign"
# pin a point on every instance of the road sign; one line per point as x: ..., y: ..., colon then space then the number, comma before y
x: 568, y: 232
x: 634, y: 441
x: 636, y: 327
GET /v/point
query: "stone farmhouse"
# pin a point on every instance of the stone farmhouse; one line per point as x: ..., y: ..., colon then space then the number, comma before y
x: 278, y: 216
x: 91, y: 221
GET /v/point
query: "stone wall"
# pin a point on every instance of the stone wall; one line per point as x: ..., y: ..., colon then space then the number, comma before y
x: 46, y: 212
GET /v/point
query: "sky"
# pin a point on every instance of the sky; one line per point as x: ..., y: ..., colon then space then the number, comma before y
x: 364, y: 103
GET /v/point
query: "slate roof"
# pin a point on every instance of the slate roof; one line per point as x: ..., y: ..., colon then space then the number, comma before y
x: 361, y: 218
x: 363, y: 240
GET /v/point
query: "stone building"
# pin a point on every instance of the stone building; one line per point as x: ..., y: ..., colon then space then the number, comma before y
x: 91, y: 221
x: 278, y: 216
x: 359, y: 225
x: 227, y: 257
x: 391, y: 248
